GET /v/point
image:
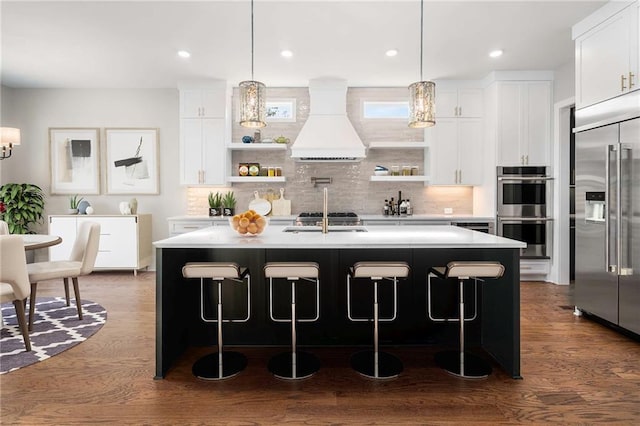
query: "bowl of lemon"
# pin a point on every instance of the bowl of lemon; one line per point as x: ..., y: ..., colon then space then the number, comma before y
x: 248, y: 223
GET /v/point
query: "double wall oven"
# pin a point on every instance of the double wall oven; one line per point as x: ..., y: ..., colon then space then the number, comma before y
x: 523, y: 195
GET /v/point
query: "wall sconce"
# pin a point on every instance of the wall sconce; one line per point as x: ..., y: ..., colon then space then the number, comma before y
x: 9, y: 136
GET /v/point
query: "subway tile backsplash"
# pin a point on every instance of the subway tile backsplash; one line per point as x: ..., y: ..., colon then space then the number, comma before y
x: 351, y: 189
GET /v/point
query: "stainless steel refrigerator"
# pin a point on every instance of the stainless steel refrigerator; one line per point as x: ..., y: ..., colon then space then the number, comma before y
x: 607, y: 206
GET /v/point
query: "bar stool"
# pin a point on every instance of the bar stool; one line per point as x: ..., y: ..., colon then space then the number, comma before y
x: 223, y: 364
x: 293, y: 365
x: 376, y: 364
x: 459, y: 363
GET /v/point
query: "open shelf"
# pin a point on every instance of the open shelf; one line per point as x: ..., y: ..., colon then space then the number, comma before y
x: 257, y: 146
x: 397, y: 145
x: 399, y: 178
x: 259, y: 179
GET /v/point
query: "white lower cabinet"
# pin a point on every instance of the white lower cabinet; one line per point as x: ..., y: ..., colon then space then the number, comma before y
x: 125, y: 241
x: 534, y: 269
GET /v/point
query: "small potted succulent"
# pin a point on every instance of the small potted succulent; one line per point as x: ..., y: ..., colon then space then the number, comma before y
x: 74, y: 202
x: 215, y: 204
x: 228, y: 204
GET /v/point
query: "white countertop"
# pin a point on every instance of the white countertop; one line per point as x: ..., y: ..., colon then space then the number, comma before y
x: 420, y: 236
x: 440, y: 217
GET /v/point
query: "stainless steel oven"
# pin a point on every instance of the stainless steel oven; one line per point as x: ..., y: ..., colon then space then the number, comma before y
x: 523, y: 191
x: 536, y: 232
x: 523, y: 196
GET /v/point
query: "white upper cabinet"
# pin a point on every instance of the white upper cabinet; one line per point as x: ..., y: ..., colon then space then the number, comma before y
x: 456, y: 151
x: 202, y: 147
x: 523, y: 123
x: 203, y: 135
x: 458, y: 102
x: 607, y: 49
x: 202, y: 103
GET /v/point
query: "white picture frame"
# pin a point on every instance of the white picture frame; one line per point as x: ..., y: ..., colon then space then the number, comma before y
x: 74, y: 158
x: 132, y: 161
x: 281, y: 110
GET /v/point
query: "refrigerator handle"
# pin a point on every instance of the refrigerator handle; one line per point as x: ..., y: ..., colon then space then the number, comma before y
x: 607, y: 208
x: 624, y: 268
x: 618, y: 209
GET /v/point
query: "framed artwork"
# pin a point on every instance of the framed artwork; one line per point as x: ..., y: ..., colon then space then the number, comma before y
x: 283, y: 110
x: 75, y: 160
x: 132, y: 161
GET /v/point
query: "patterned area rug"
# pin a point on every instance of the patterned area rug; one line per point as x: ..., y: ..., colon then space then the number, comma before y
x: 56, y: 328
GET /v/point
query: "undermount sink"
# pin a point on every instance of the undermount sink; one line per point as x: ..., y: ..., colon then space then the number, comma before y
x: 331, y: 228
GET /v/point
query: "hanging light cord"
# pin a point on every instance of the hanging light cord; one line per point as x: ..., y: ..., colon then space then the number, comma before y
x: 421, y: 34
x: 251, y: 39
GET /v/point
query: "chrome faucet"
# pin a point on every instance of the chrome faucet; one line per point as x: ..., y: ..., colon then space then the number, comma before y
x: 325, y: 217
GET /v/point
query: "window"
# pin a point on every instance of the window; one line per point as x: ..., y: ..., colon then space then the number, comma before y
x: 379, y: 109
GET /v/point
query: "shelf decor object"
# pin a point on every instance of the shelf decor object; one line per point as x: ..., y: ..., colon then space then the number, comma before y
x: 252, y: 96
x: 9, y: 137
x: 132, y: 161
x: 422, y: 111
x: 75, y: 161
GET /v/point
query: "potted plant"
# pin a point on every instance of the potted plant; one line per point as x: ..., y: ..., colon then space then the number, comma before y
x: 215, y: 204
x: 21, y: 205
x: 73, y: 204
x: 228, y: 204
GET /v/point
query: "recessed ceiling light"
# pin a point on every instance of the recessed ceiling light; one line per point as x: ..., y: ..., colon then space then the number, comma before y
x: 184, y: 54
x: 495, y: 53
x: 391, y: 52
x: 286, y: 53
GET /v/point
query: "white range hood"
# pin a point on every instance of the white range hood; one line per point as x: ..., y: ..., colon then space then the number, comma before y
x: 328, y: 135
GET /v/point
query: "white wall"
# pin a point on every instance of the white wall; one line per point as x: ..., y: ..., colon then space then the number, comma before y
x: 34, y: 111
x: 564, y: 85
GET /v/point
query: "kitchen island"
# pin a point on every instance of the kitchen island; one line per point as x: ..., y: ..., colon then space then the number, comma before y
x: 496, y: 331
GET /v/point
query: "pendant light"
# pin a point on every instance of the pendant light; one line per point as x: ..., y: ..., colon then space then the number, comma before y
x: 422, y: 111
x: 252, y: 96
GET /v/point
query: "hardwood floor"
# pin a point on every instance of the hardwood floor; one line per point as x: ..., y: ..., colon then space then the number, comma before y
x: 575, y: 372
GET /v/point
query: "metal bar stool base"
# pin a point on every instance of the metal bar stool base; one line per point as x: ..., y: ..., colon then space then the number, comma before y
x: 281, y: 365
x: 207, y: 368
x: 474, y: 367
x: 389, y: 367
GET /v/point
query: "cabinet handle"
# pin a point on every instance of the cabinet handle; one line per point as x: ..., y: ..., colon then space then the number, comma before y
x: 460, y: 111
x: 631, y: 75
x: 622, y: 80
x: 527, y: 159
x: 459, y: 176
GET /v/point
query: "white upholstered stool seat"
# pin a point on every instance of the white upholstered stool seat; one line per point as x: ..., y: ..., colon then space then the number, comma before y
x: 223, y: 364
x: 294, y: 364
x: 374, y: 363
x: 460, y: 363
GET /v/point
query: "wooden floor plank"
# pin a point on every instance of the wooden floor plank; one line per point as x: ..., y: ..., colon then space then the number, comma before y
x: 575, y: 372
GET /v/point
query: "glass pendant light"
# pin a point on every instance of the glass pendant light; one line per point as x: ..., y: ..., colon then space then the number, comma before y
x: 252, y: 96
x: 422, y: 111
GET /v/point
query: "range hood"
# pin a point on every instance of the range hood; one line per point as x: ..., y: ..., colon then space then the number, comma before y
x: 328, y: 135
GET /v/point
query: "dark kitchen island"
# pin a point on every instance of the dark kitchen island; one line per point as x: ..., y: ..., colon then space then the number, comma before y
x: 496, y: 331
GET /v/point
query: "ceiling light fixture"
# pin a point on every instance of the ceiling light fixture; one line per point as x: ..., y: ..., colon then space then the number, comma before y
x: 184, y: 54
x: 391, y: 52
x: 9, y: 136
x: 286, y: 53
x: 495, y: 53
x: 252, y: 96
x: 422, y: 111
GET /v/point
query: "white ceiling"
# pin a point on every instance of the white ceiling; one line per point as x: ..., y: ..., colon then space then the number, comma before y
x: 109, y: 44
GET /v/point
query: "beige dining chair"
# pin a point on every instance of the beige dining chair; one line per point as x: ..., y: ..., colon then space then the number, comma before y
x: 14, y: 280
x: 4, y: 228
x: 83, y: 257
